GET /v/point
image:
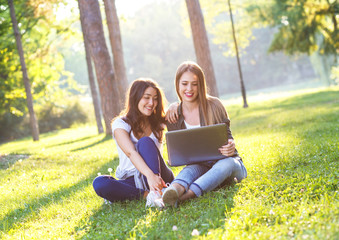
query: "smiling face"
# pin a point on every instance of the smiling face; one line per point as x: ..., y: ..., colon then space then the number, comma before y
x: 188, y: 87
x: 148, y: 102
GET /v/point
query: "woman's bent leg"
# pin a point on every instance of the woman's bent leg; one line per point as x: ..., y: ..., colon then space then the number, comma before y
x: 189, y: 174
x: 223, y: 169
x: 178, y: 188
x: 165, y: 172
x: 237, y: 175
x: 152, y: 157
x: 116, y: 190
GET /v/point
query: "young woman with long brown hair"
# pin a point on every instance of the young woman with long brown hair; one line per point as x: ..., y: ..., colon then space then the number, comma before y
x: 138, y: 133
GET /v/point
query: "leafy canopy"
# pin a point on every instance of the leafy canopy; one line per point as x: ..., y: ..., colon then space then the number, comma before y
x: 40, y: 33
x: 304, y: 26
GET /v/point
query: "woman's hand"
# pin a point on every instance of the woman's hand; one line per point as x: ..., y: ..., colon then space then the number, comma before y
x: 229, y: 149
x: 155, y: 182
x: 172, y: 113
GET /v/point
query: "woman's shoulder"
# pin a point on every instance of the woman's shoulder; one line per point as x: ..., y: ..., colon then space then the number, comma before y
x: 120, y: 122
x: 218, y: 109
x: 215, y: 101
x: 119, y: 119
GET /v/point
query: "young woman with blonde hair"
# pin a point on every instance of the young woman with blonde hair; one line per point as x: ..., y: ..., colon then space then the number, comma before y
x: 197, y: 109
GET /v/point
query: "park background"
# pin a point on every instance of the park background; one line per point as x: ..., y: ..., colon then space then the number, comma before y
x: 288, y: 134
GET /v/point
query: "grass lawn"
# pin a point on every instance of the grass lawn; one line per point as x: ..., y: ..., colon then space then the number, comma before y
x: 290, y: 146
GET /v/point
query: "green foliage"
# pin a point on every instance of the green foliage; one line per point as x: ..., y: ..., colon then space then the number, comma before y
x: 303, y: 26
x: 164, y: 46
x: 51, y: 117
x: 13, y: 126
x: 259, y: 69
x: 45, y: 66
x: 217, y: 19
x: 289, y: 146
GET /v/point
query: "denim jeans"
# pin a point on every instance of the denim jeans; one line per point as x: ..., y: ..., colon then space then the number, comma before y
x: 201, y: 178
x: 118, y: 190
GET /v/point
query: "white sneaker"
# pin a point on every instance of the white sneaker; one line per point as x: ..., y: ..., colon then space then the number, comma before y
x: 170, y: 196
x: 154, y: 199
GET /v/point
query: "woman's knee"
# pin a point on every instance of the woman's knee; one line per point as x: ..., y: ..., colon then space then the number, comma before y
x: 100, y: 184
x: 193, y: 170
x: 144, y: 141
x: 242, y: 173
x: 225, y: 163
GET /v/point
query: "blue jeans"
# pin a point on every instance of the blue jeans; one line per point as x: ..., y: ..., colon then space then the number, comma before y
x: 119, y: 190
x: 202, y: 178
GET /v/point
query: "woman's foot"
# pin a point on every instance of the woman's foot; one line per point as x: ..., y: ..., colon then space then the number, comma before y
x: 187, y: 195
x: 153, y: 199
x: 172, y: 193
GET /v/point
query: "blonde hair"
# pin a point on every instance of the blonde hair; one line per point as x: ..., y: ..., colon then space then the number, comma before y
x: 212, y: 109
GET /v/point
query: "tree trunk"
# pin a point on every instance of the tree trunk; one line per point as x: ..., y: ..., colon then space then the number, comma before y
x: 201, y: 45
x: 242, y: 85
x: 94, y: 93
x: 117, y: 50
x: 102, y: 61
x: 29, y: 98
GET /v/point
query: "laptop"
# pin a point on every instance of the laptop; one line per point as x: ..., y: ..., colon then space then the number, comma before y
x: 188, y: 146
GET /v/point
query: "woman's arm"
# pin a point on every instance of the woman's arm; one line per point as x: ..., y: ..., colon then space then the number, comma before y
x: 172, y: 113
x: 229, y: 149
x: 122, y: 137
x: 221, y: 114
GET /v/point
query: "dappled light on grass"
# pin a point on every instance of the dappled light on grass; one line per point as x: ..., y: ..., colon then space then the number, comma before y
x: 289, y: 145
x: 57, y: 217
x: 292, y: 183
x: 52, y: 185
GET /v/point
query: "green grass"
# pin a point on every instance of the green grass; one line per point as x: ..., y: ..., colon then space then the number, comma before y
x: 289, y: 144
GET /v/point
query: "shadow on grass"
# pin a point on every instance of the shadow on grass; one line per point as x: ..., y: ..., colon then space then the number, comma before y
x: 6, y: 161
x: 32, y: 208
x: 104, y: 139
x: 71, y: 142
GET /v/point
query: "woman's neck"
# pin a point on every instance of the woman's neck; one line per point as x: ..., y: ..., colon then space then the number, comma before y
x: 145, y: 122
x: 190, y: 106
x: 191, y: 112
x: 146, y: 127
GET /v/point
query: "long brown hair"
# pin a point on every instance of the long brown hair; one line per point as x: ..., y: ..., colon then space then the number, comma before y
x: 135, y: 118
x: 211, y: 107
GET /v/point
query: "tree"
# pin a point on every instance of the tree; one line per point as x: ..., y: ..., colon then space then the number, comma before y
x: 242, y: 85
x: 300, y: 23
x: 305, y: 26
x: 201, y: 44
x: 217, y: 20
x: 94, y: 93
x: 41, y: 32
x: 29, y: 98
x: 116, y: 45
x: 159, y: 54
x: 103, y: 65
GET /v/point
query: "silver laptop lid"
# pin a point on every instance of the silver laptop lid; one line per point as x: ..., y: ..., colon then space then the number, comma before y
x: 188, y: 146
